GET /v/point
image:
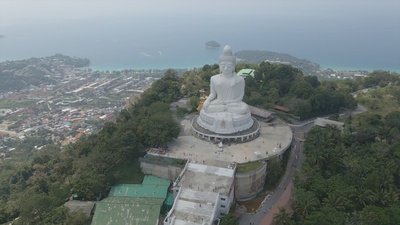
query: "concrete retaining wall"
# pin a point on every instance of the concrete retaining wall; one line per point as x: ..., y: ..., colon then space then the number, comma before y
x: 166, y: 172
x: 161, y: 169
x: 249, y: 184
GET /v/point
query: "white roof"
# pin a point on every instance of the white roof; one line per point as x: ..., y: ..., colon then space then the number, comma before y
x: 201, y: 186
x: 211, y: 170
x: 322, y: 122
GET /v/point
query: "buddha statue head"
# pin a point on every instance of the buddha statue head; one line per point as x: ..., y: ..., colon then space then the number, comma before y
x: 227, y: 61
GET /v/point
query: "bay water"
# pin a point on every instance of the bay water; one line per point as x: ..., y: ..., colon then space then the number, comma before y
x: 160, y: 41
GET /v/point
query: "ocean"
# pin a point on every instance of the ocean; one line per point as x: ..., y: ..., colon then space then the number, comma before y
x: 129, y: 41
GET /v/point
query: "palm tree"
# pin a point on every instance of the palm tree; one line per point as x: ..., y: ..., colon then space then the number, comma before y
x: 304, y: 176
x: 305, y: 202
x: 282, y: 217
x: 335, y: 201
x: 364, y: 197
x: 382, y: 197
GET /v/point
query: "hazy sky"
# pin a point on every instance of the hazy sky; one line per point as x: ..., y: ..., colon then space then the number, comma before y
x: 330, y: 32
x: 23, y: 11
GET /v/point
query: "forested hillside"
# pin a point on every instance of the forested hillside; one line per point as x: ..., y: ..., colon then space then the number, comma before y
x: 256, y: 57
x: 35, y: 183
x: 352, y: 177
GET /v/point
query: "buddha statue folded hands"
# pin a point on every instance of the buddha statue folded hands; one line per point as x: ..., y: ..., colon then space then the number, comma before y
x: 224, y: 111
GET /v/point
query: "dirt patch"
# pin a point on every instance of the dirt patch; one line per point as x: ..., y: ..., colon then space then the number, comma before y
x: 3, y: 128
x: 254, y: 204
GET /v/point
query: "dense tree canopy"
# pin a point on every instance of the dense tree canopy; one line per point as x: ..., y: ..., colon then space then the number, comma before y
x: 277, y: 84
x: 282, y: 217
x: 156, y: 125
x: 350, y: 178
x: 229, y: 219
x: 380, y: 78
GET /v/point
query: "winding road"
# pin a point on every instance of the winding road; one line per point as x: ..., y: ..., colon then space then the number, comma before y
x: 282, y: 194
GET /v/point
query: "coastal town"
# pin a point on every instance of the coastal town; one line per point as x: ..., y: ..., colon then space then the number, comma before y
x: 63, y: 102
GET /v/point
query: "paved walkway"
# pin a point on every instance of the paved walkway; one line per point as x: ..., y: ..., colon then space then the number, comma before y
x: 281, y: 196
x: 283, y: 201
x: 274, y: 138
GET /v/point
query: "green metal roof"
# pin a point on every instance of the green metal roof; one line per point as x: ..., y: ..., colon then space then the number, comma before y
x: 246, y: 72
x: 125, y: 200
x: 127, y: 211
x: 150, y: 179
x: 169, y: 201
x: 139, y: 191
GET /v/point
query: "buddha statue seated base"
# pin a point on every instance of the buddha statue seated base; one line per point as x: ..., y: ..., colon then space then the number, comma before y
x: 225, y: 122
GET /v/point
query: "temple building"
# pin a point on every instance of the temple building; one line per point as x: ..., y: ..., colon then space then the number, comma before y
x: 218, y: 145
x: 202, y: 194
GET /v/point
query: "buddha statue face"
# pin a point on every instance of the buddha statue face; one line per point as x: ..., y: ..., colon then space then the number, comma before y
x: 227, y: 68
x: 227, y: 62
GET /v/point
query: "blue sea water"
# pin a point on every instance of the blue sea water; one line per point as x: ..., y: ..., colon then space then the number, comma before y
x: 177, y: 41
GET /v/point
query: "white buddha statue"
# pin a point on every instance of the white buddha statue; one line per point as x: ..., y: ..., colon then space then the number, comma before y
x: 224, y: 111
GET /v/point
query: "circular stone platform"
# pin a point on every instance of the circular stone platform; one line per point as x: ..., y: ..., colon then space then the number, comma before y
x: 239, y: 137
x: 273, y: 140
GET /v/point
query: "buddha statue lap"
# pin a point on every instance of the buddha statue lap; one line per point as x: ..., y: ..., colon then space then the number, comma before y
x: 223, y: 111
